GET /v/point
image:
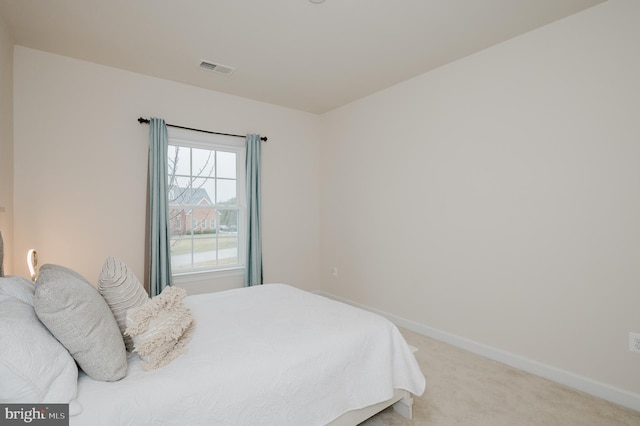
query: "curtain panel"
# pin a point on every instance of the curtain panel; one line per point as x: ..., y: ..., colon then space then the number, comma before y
x: 159, y: 255
x: 253, y: 271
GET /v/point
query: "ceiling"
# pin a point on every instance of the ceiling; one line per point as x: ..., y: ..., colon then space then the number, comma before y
x: 310, y: 57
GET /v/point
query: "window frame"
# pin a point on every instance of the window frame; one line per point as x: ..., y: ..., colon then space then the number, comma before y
x: 194, y: 139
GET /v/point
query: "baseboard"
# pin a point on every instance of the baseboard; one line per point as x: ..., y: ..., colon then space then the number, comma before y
x: 575, y: 381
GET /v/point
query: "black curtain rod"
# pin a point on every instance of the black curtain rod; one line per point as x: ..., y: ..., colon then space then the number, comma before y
x: 146, y: 121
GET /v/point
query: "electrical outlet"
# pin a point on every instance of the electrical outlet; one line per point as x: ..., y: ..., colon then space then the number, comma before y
x: 334, y: 271
x: 634, y: 342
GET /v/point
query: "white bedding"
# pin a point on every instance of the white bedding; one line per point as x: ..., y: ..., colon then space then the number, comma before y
x: 264, y: 355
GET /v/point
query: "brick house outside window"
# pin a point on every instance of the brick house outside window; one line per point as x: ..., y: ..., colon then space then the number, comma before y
x: 191, y: 209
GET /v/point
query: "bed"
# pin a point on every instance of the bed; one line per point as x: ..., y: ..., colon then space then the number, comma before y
x: 264, y: 355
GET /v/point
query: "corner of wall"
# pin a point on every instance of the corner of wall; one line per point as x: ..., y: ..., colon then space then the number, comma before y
x: 6, y: 144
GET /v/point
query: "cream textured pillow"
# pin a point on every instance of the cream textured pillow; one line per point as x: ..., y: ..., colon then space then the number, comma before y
x: 75, y: 313
x: 122, y: 291
x: 161, y: 328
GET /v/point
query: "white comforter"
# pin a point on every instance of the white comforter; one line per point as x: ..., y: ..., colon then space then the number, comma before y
x: 265, y: 355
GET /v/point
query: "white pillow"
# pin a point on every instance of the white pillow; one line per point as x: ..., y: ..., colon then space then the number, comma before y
x: 34, y: 366
x: 20, y: 288
x: 160, y: 328
x: 122, y: 291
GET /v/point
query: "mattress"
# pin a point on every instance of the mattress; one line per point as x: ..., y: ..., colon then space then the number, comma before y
x: 263, y: 355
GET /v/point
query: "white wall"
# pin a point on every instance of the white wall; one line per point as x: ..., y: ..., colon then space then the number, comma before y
x: 6, y: 144
x: 81, y: 161
x: 497, y: 198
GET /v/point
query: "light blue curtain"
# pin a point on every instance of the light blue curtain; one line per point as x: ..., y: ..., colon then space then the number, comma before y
x: 159, y: 261
x: 253, y: 271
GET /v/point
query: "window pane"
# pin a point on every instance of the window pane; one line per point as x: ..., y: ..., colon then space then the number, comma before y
x: 228, y: 251
x: 171, y: 156
x: 181, y: 255
x: 204, y: 213
x: 179, y: 192
x: 196, y: 252
x: 177, y: 221
x: 226, y: 191
x: 228, y: 237
x: 204, y: 191
x: 203, y: 162
x: 202, y: 220
x: 226, y: 164
x: 228, y: 220
x: 204, y: 251
x: 179, y: 160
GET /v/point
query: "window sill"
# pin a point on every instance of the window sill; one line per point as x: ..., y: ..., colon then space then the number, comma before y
x: 198, y: 276
x: 210, y: 281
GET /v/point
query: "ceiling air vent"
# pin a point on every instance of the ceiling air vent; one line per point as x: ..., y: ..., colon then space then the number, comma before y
x: 220, y: 69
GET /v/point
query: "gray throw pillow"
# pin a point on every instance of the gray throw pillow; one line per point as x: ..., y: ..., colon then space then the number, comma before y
x: 75, y: 313
x: 50, y: 272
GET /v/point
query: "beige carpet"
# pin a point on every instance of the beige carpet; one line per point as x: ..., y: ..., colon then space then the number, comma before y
x: 467, y: 389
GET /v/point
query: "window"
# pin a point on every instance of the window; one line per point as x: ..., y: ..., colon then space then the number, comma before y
x: 206, y: 202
